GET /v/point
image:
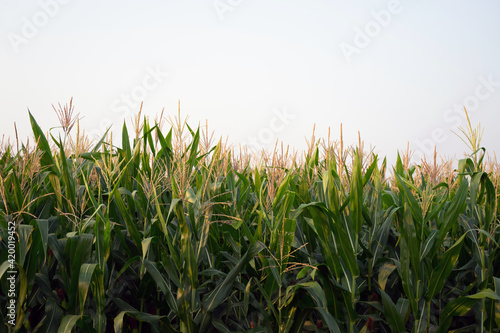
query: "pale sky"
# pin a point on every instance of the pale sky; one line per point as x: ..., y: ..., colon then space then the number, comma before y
x: 396, y: 71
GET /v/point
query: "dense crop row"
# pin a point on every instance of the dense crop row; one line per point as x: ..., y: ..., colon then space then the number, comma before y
x: 170, y: 233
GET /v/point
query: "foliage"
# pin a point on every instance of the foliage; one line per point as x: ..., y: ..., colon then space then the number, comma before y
x: 170, y: 233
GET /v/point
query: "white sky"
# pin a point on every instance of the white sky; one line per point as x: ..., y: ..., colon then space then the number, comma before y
x: 240, y: 63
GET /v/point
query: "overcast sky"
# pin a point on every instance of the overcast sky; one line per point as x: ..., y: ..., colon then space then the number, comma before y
x: 260, y: 70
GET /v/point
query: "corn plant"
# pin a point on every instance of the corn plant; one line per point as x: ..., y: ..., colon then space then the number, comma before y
x: 166, y: 231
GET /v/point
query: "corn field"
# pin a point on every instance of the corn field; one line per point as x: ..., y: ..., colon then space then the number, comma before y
x: 169, y: 231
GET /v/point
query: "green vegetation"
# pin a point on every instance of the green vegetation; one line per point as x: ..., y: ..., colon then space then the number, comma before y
x: 171, y: 233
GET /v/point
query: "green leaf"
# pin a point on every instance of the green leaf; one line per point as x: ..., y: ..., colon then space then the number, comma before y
x: 68, y: 181
x: 193, y: 153
x: 52, y: 318
x: 24, y: 243
x: 222, y: 290
x: 356, y: 199
x: 281, y: 191
x: 457, y: 307
x: 319, y: 298
x: 43, y: 145
x: 428, y: 244
x: 162, y: 284
x: 409, y: 233
x: 461, y: 305
x: 80, y: 249
x: 455, y: 208
x: 67, y: 323
x: 141, y: 316
x: 43, y: 229
x: 443, y: 269
x: 126, y: 215
x: 4, y: 268
x: 405, y: 272
x: 86, y: 273
x: 394, y: 318
x: 410, y: 199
